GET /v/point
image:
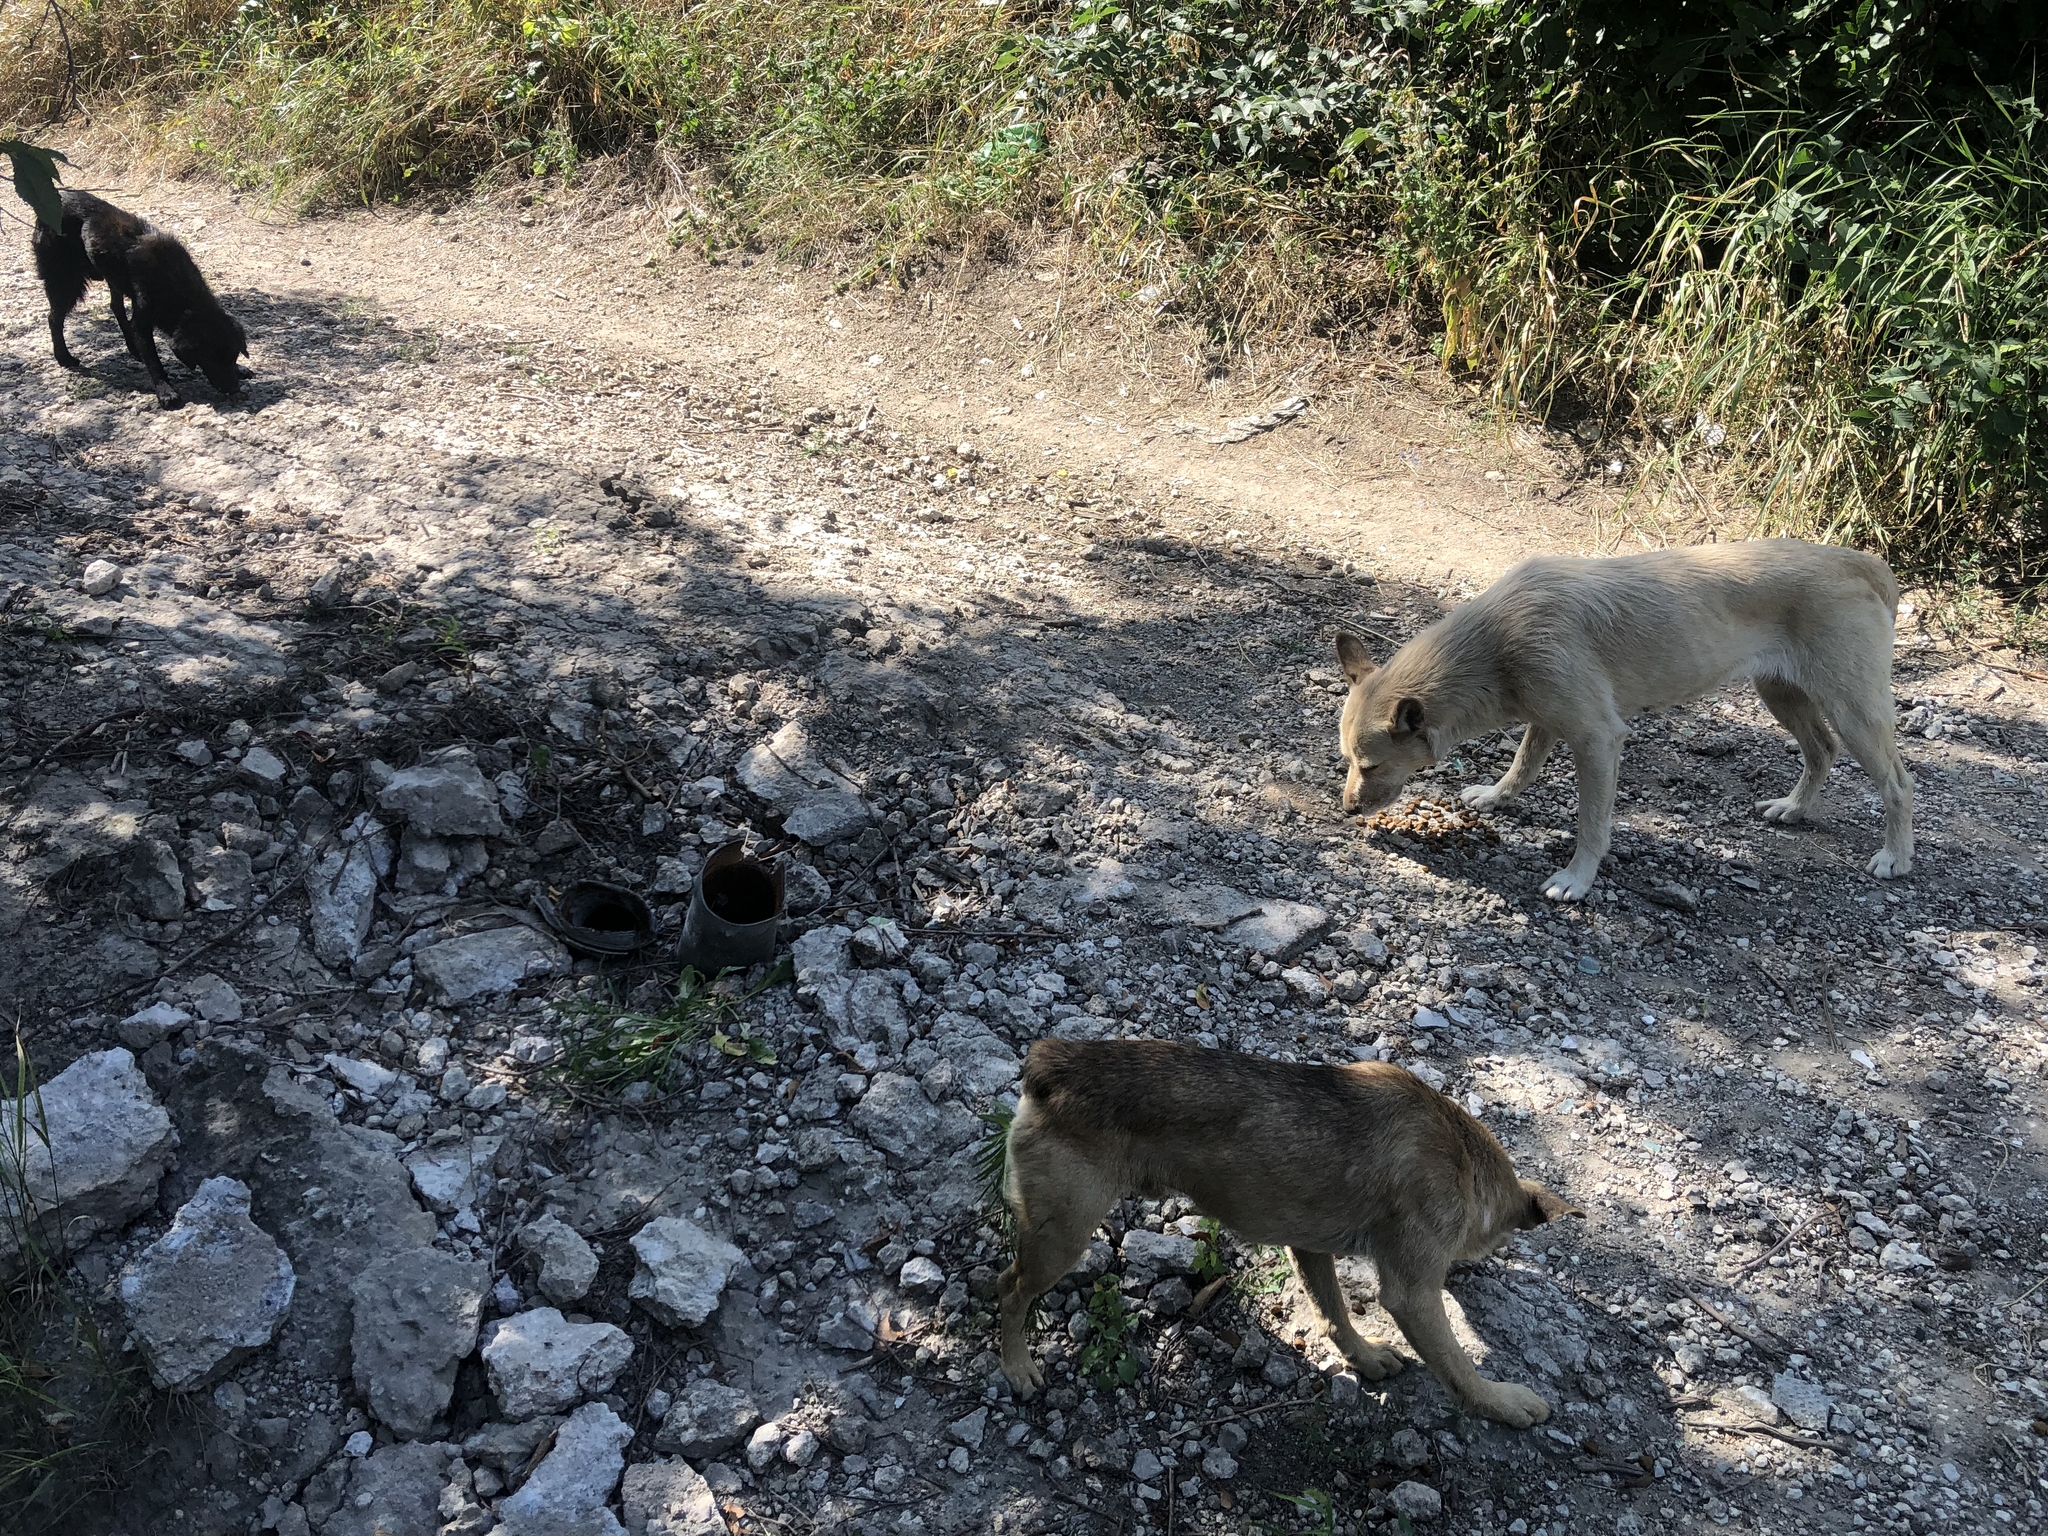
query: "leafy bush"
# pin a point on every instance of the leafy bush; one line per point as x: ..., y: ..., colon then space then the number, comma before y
x: 1795, y: 237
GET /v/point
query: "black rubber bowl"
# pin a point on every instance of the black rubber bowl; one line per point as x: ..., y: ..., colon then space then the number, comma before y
x: 594, y: 918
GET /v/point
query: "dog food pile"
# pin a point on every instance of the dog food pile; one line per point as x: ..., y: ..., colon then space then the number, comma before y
x: 1436, y: 824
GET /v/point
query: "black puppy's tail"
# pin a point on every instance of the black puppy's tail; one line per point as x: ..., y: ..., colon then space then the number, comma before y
x: 61, y: 264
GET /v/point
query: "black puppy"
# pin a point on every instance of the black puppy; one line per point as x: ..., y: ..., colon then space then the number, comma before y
x: 142, y: 266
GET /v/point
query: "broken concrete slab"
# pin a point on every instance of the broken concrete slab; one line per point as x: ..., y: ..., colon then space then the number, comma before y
x: 540, y: 1362
x: 450, y: 798
x: 213, y: 999
x: 569, y: 1490
x: 335, y: 1197
x: 682, y: 1272
x: 455, y: 1174
x: 1279, y: 930
x: 395, y: 1490
x: 416, y: 1314
x: 154, y: 886
x: 786, y: 770
x: 101, y: 1150
x: 669, y: 1498
x: 67, y: 820
x: 342, y: 893
x: 823, y: 819
x: 708, y: 1418
x: 483, y: 964
x: 567, y: 1266
x: 209, y: 1292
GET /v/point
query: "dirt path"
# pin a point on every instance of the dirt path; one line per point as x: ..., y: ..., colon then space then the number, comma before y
x: 640, y: 543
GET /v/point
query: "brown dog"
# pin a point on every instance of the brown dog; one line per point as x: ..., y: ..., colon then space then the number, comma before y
x: 1363, y: 1159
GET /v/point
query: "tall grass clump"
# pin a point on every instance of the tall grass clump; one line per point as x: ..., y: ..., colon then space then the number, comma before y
x: 1798, y: 240
x: 65, y: 1393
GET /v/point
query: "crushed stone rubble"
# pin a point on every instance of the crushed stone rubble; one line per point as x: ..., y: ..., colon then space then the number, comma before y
x: 435, y: 1226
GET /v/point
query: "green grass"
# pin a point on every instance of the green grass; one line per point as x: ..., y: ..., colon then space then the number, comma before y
x: 992, y: 1170
x: 65, y: 1395
x: 1798, y: 257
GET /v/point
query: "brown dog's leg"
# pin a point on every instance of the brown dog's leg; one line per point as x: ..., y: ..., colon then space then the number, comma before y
x: 1059, y: 1200
x: 1868, y: 730
x: 1418, y: 1306
x: 1318, y: 1273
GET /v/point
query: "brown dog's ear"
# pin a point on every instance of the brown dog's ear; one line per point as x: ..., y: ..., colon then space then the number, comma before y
x: 1407, y: 717
x: 1352, y: 658
x: 1545, y: 1206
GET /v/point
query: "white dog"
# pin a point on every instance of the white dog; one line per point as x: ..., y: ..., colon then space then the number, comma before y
x: 1574, y: 647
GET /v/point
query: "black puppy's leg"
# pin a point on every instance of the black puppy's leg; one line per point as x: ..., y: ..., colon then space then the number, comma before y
x: 118, y: 302
x: 63, y: 286
x: 141, y: 334
x: 57, y: 348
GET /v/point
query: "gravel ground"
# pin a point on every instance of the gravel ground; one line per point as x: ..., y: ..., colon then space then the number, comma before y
x: 1050, y: 730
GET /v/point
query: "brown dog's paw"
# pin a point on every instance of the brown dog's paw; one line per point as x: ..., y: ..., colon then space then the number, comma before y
x: 1024, y: 1376
x: 1374, y: 1362
x: 1512, y: 1405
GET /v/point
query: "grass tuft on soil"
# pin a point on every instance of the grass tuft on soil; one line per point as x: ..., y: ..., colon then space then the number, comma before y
x: 1801, y: 255
x: 67, y: 1400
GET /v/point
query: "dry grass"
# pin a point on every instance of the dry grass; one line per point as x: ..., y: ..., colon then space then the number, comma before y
x: 1834, y: 314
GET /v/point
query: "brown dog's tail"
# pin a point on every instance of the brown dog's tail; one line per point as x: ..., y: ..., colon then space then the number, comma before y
x: 1046, y: 1064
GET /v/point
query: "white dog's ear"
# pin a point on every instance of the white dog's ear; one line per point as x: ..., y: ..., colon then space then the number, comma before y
x: 1407, y: 717
x: 1352, y: 658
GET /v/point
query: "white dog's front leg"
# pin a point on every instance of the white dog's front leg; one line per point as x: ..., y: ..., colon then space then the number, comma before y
x: 1598, y: 760
x: 1529, y: 760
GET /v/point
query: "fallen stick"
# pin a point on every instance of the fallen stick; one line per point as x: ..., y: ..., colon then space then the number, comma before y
x: 1742, y: 1331
x: 1805, y: 1443
x: 1784, y: 1242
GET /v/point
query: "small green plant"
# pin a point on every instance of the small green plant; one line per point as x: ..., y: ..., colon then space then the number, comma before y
x: 1267, y: 1275
x: 450, y: 643
x: 743, y: 1045
x: 1107, y: 1359
x: 1209, y: 1260
x: 606, y: 1048
x: 540, y: 762
x: 547, y: 539
x: 992, y: 1169
x: 1318, y: 1506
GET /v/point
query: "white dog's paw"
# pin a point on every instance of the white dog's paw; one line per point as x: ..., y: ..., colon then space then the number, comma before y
x: 1507, y: 1402
x: 1482, y: 797
x: 1786, y: 810
x: 1887, y: 865
x: 1568, y: 885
